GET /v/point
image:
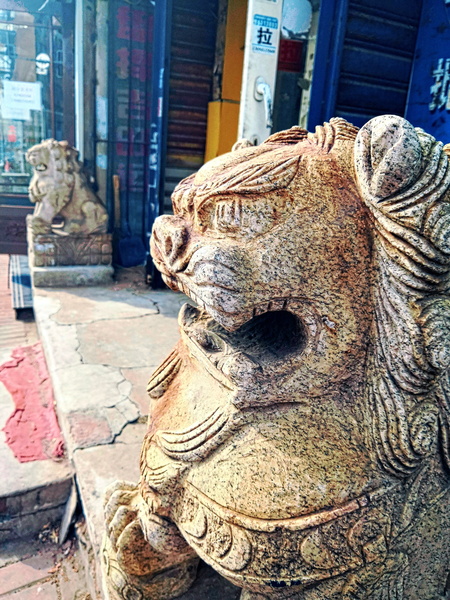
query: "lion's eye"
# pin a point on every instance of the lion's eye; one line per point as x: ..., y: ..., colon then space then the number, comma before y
x: 243, y: 217
x: 228, y: 216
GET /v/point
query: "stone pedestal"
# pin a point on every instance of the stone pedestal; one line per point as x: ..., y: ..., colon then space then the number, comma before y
x: 68, y: 260
x: 74, y: 276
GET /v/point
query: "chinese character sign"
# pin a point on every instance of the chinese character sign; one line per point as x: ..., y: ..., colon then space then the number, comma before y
x: 428, y: 104
x: 265, y: 34
x: 19, y: 98
x: 440, y: 89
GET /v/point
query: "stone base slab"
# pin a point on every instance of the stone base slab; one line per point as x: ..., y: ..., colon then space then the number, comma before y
x: 74, y: 276
x: 51, y: 249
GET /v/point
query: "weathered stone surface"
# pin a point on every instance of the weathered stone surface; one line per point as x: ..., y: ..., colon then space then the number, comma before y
x: 114, y: 341
x: 298, y: 436
x: 85, y: 305
x: 93, y: 376
x: 138, y: 377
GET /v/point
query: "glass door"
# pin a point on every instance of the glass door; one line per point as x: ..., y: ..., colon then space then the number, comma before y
x: 31, y: 94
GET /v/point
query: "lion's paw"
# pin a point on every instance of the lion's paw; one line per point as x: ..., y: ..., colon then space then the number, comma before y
x: 159, y: 568
x: 39, y: 226
x: 121, y: 510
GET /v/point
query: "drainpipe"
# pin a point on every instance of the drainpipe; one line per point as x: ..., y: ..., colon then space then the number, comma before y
x: 79, y: 78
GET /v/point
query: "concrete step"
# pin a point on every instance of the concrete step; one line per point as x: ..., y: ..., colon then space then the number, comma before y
x: 33, y: 494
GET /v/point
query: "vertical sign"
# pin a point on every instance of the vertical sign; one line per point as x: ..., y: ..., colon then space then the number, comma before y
x: 265, y: 34
x: 260, y: 67
x: 429, y: 92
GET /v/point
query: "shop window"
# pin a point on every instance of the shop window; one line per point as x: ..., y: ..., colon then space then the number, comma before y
x: 30, y: 91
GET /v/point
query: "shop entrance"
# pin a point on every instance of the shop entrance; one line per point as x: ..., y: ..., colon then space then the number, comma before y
x: 36, y: 103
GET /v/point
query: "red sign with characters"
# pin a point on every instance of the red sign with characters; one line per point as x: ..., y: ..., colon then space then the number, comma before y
x: 290, y: 55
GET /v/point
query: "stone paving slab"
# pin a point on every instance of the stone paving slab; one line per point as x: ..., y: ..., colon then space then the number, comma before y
x: 43, y: 591
x: 23, y: 573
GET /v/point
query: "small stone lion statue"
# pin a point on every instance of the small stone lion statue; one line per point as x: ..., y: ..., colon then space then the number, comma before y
x: 299, y: 434
x: 59, y: 188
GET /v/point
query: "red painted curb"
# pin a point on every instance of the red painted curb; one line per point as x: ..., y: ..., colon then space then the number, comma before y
x: 32, y: 431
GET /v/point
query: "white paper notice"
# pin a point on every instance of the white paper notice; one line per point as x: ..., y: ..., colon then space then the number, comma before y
x: 19, y: 98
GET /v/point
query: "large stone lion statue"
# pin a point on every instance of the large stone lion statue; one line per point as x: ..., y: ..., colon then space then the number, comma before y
x: 298, y: 438
x: 59, y: 188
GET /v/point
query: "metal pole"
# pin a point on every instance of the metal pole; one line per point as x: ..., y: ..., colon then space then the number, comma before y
x: 79, y: 78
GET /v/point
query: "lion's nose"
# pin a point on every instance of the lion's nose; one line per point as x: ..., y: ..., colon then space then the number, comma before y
x: 171, y: 236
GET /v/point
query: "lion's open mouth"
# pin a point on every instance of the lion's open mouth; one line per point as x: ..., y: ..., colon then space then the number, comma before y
x: 265, y: 338
x: 41, y: 167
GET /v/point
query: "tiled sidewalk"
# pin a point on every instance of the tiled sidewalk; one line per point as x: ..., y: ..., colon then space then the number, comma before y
x: 13, y: 333
x: 33, y: 570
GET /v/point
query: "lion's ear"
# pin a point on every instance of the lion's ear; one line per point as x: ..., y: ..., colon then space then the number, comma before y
x: 241, y: 143
x: 388, y: 156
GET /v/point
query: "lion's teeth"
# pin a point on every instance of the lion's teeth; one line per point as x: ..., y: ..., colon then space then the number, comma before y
x: 277, y: 305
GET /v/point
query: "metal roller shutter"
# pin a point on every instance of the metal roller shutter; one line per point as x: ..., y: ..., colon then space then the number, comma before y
x: 377, y: 54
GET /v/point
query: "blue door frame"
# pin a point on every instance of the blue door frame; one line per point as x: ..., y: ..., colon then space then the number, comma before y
x: 327, y: 61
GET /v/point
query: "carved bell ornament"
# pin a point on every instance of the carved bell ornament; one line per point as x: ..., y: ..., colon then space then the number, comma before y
x: 298, y: 437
